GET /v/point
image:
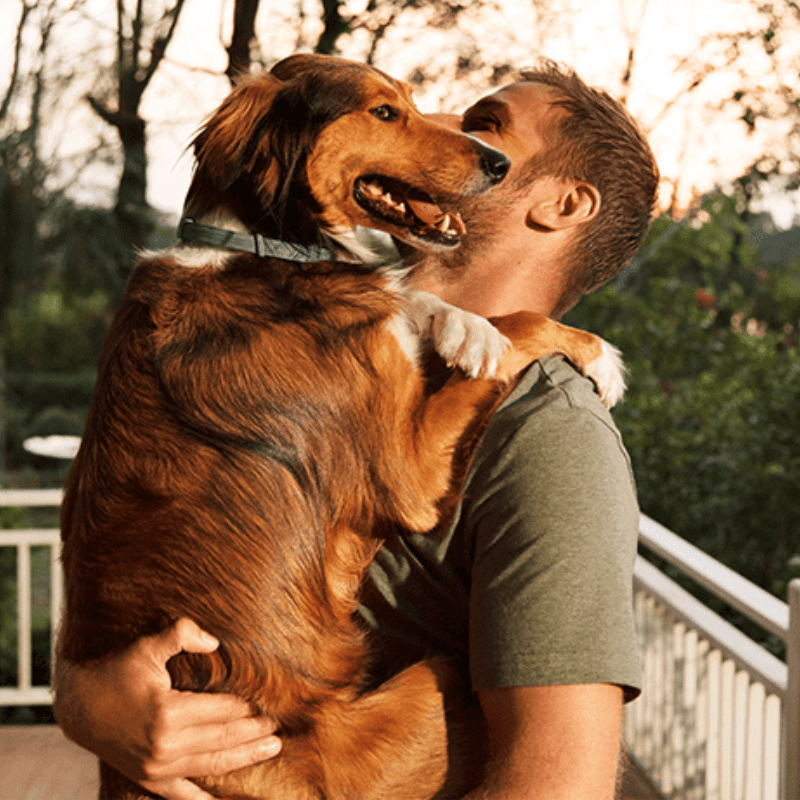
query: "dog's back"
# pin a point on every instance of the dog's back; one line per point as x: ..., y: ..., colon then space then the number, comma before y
x: 234, y: 414
x: 243, y: 451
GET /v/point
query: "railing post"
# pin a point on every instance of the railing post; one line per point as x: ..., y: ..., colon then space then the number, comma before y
x: 791, y: 720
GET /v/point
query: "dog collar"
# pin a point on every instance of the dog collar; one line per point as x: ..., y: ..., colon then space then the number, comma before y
x: 255, y: 243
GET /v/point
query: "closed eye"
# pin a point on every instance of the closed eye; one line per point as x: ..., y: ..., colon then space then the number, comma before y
x: 488, y: 114
x: 385, y: 113
x: 480, y: 122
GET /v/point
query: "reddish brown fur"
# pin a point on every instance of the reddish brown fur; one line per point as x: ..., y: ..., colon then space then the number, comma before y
x: 255, y: 432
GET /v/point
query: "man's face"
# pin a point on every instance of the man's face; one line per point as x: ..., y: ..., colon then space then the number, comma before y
x: 518, y: 120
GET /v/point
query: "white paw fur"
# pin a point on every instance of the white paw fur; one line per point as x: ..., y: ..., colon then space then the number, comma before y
x: 463, y: 339
x: 608, y: 374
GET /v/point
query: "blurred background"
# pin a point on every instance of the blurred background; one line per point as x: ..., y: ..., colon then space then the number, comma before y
x: 99, y: 100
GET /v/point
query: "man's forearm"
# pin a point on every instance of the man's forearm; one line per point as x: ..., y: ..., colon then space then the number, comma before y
x: 552, y: 742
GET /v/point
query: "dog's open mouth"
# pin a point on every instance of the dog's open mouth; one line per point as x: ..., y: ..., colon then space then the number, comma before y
x: 402, y: 205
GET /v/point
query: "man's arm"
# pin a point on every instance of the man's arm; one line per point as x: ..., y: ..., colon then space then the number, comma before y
x: 126, y: 712
x: 552, y: 742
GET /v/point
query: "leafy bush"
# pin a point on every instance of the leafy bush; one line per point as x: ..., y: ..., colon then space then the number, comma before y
x: 56, y: 331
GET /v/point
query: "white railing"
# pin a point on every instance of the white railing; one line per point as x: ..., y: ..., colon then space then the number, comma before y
x: 719, y: 717
x: 25, y: 694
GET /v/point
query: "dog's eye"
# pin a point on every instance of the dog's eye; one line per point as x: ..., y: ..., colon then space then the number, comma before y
x: 385, y: 113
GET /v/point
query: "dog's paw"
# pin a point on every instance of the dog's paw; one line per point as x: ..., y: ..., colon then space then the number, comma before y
x: 463, y: 339
x: 467, y: 341
x: 608, y: 374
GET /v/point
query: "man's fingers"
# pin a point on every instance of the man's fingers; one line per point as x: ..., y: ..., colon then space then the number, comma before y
x: 221, y: 762
x: 185, y: 635
x: 210, y: 731
x: 177, y: 789
x: 181, y: 710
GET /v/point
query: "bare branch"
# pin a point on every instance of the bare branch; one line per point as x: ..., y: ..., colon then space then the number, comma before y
x: 334, y: 26
x: 120, y: 38
x: 12, y: 85
x: 161, y: 42
x: 102, y: 111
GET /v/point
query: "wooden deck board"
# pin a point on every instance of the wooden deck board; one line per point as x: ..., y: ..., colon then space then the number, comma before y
x: 37, y: 762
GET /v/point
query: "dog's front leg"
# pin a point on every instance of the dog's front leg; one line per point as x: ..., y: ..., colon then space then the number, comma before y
x: 463, y: 339
x: 479, y: 348
x: 451, y: 420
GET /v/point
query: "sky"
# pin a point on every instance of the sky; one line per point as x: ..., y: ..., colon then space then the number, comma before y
x: 697, y: 148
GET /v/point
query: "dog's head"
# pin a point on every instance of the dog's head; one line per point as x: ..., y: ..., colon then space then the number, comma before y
x: 325, y: 143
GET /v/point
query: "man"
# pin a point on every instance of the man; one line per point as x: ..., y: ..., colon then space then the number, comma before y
x: 529, y: 591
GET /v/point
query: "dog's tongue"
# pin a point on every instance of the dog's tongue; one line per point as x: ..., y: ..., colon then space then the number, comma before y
x: 433, y: 216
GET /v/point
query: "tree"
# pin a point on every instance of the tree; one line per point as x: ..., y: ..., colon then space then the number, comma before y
x: 21, y: 172
x: 244, y: 32
x: 140, y: 49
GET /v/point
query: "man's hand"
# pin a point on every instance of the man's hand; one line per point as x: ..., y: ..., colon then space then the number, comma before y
x: 126, y: 712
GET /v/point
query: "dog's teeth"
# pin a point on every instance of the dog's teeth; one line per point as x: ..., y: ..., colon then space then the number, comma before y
x: 444, y: 224
x: 401, y: 207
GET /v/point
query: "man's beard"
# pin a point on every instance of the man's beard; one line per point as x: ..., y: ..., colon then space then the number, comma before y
x: 486, y: 217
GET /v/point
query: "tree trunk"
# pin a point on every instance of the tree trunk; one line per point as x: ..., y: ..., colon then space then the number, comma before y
x: 244, y: 31
x: 135, y: 68
x: 131, y: 207
x: 335, y: 26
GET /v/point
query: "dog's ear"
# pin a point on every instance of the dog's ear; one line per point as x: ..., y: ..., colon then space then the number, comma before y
x: 291, y: 66
x: 236, y: 136
x: 252, y: 152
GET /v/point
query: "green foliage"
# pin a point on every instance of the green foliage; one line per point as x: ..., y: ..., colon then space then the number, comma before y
x: 55, y: 331
x: 9, y: 518
x: 53, y: 341
x: 8, y: 622
x: 54, y: 328
x: 710, y: 418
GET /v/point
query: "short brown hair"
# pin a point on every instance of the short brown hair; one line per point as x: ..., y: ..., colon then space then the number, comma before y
x: 600, y: 143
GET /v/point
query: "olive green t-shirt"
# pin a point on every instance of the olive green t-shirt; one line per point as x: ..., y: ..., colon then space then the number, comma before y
x: 532, y: 583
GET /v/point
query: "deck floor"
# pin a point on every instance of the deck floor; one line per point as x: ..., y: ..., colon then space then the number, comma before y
x: 38, y: 762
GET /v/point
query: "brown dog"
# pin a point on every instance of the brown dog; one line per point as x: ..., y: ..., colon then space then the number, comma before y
x: 260, y: 423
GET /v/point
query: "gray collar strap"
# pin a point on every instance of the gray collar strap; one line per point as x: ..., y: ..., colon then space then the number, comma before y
x: 255, y: 243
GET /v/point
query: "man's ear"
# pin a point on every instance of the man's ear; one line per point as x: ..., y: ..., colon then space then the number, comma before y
x: 561, y: 204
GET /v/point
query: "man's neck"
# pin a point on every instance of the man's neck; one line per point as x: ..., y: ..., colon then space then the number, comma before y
x: 491, y: 285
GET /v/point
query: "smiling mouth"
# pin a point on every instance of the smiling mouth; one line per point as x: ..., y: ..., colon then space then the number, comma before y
x: 401, y: 205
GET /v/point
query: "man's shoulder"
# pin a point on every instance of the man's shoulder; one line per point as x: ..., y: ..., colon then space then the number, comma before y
x: 552, y: 425
x: 554, y: 394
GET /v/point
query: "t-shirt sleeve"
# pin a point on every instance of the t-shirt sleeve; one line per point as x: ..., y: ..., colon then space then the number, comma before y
x: 554, y: 529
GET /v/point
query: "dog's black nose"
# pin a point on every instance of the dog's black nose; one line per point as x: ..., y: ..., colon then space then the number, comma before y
x: 495, y: 164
